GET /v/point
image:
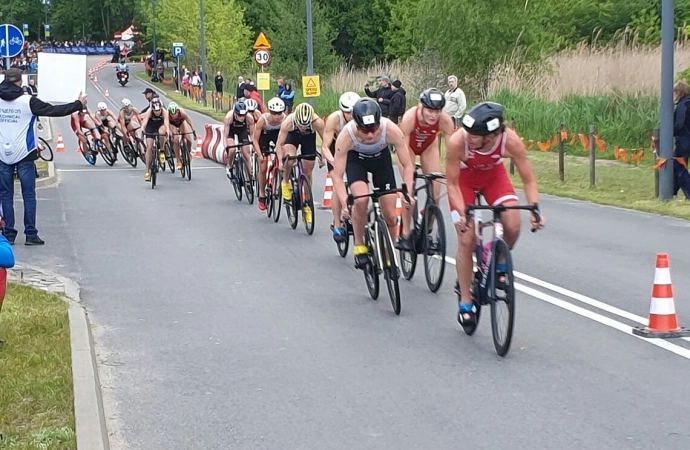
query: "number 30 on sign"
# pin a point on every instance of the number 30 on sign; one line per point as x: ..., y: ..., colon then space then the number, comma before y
x: 262, y: 57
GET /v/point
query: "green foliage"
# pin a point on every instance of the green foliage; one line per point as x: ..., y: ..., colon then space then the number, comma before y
x: 625, y: 120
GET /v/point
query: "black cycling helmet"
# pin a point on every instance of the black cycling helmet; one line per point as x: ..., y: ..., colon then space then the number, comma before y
x: 366, y: 113
x: 483, y: 118
x: 432, y: 98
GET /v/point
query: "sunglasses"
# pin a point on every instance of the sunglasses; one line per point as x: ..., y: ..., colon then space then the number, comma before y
x: 369, y: 130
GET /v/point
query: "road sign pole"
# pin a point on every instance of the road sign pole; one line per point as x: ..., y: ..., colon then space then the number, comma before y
x: 310, y: 49
x: 202, y: 50
x: 666, y: 174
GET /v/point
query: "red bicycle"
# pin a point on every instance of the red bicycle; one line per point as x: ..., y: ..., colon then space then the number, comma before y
x: 273, y: 190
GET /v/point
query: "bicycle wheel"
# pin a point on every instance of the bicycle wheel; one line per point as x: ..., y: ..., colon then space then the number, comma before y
x: 237, y: 173
x: 345, y: 244
x: 249, y: 184
x: 268, y: 193
x: 169, y: 155
x: 291, y: 207
x: 390, y: 268
x: 371, y: 274
x: 434, y: 245
x: 503, y: 293
x: 277, y: 196
x: 255, y: 173
x: 141, y: 149
x: 408, y: 259
x: 153, y: 171
x: 307, y: 200
x: 127, y: 153
x: 186, y: 160
x: 45, y: 151
x: 88, y: 153
x: 107, y: 154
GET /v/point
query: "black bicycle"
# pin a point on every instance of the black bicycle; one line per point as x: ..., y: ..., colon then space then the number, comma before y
x: 301, y: 195
x: 157, y: 157
x: 186, y: 169
x: 493, y: 280
x: 344, y: 243
x: 382, y: 257
x: 428, y: 234
x: 45, y: 151
x: 239, y: 175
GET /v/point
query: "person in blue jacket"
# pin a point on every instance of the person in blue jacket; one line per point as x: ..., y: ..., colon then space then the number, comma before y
x: 681, y: 132
x: 288, y: 97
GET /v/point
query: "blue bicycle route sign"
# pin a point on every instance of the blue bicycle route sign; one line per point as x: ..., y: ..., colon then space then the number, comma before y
x: 11, y: 41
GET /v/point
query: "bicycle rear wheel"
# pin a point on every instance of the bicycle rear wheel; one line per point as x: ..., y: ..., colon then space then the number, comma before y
x: 291, y: 207
x: 107, y: 154
x: 390, y: 268
x: 505, y: 295
x: 88, y: 153
x: 249, y: 185
x: 126, y: 151
x: 169, y: 155
x: 408, y: 259
x: 345, y: 244
x: 153, y: 172
x: 187, y: 159
x: 237, y: 173
x: 434, y: 235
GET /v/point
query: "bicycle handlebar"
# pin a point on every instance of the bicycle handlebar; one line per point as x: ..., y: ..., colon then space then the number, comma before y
x: 377, y: 193
x: 534, y: 209
x: 287, y: 158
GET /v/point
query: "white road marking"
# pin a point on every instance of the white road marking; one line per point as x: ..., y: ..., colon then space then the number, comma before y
x: 627, y: 329
x: 131, y: 169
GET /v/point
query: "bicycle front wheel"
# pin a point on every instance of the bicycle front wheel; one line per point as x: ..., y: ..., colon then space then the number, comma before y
x: 371, y: 273
x: 408, y: 259
x: 503, y: 294
x: 307, y: 202
x: 277, y: 195
x: 45, y: 151
x: 434, y: 233
x: 390, y: 267
x: 249, y: 185
x: 237, y: 182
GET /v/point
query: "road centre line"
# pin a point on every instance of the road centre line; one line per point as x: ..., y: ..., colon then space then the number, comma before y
x: 627, y: 329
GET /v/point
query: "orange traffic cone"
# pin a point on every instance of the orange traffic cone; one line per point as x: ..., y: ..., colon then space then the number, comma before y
x: 327, y: 192
x: 107, y: 94
x: 197, y: 151
x: 60, y: 144
x: 662, y: 310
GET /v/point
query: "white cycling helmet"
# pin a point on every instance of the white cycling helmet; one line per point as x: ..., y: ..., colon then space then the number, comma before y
x: 251, y: 104
x: 276, y: 105
x: 347, y: 101
x: 126, y: 103
x: 102, y: 106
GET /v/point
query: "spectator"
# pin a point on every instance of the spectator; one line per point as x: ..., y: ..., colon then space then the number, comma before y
x: 251, y: 92
x: 176, y: 78
x: 288, y: 97
x: 239, y: 92
x: 455, y: 101
x: 195, y: 82
x: 280, y: 88
x: 398, y: 101
x: 218, y: 81
x: 383, y: 94
x: 681, y: 131
x: 19, y: 150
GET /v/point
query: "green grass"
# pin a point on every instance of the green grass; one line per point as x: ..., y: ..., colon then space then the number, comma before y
x: 623, y: 120
x: 36, y: 400
x: 42, y: 167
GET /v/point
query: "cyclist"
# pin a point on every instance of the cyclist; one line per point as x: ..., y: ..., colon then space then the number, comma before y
x: 474, y: 161
x: 252, y: 107
x: 81, y: 120
x: 180, y: 123
x: 299, y: 130
x: 334, y: 125
x: 421, y: 125
x: 128, y: 116
x: 237, y: 125
x: 266, y: 131
x: 361, y: 149
x: 155, y: 122
x: 106, y: 121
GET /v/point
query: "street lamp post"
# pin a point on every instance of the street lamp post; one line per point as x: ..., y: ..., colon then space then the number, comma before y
x: 154, y: 76
x: 202, y: 51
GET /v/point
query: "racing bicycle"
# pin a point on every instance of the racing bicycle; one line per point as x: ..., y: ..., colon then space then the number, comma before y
x: 157, y: 157
x: 272, y: 190
x: 428, y: 234
x: 95, y: 147
x: 493, y: 280
x: 186, y: 169
x: 301, y: 195
x: 381, y: 253
x: 238, y: 175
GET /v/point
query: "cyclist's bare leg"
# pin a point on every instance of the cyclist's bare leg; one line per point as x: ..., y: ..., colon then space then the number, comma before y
x: 288, y: 149
x: 406, y: 215
x: 176, y: 143
x: 359, y: 210
x: 308, y: 167
x: 247, y: 160
x: 337, y: 210
x: 465, y: 265
x: 162, y: 136
x: 431, y: 162
x: 230, y: 153
x: 149, y: 150
x: 387, y: 203
x: 511, y: 224
x: 263, y: 167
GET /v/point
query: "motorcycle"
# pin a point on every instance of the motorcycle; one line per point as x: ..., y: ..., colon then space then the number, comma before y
x: 123, y: 77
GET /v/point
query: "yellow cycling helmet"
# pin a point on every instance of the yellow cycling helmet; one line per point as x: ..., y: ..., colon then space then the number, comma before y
x: 304, y: 114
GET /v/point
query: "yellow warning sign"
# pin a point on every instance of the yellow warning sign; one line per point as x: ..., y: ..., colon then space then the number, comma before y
x: 311, y: 86
x: 261, y: 43
x: 263, y: 81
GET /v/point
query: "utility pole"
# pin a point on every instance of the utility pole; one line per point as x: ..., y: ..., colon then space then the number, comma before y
x: 666, y: 175
x: 155, y: 54
x: 202, y: 51
x: 310, y: 49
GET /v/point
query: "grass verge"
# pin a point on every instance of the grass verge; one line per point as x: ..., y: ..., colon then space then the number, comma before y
x: 36, y: 398
x: 42, y: 167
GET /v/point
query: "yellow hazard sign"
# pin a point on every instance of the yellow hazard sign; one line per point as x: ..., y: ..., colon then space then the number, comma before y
x: 261, y: 43
x: 263, y: 81
x: 311, y: 86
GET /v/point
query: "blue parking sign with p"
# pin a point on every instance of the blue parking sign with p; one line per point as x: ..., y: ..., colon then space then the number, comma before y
x: 177, y: 50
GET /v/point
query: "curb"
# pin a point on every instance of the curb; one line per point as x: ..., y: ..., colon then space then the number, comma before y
x: 91, y: 432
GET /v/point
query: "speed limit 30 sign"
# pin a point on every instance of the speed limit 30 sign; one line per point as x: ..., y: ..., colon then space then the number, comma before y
x: 262, y: 57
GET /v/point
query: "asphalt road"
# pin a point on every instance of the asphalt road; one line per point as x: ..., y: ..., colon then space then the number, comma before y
x: 218, y: 329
